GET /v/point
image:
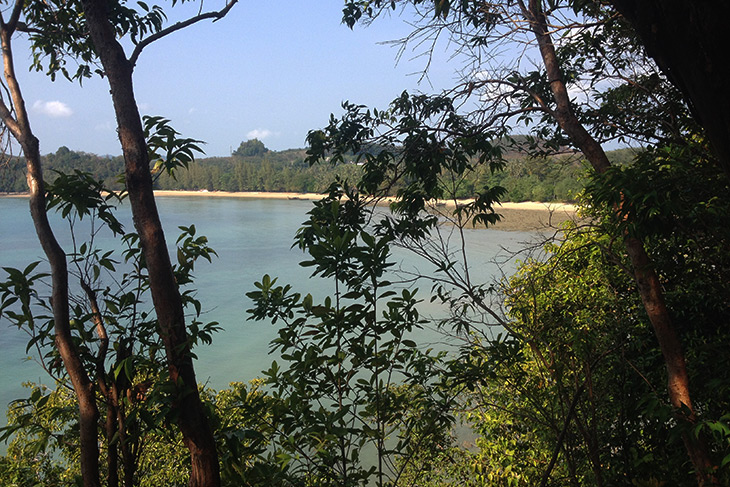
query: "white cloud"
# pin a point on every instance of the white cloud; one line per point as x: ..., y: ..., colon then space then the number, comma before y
x: 54, y: 109
x: 259, y: 134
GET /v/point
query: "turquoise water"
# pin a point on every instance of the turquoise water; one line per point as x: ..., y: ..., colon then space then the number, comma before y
x: 252, y: 237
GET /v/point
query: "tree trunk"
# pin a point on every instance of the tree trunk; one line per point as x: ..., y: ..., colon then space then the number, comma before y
x: 112, y: 456
x: 647, y: 281
x: 82, y: 385
x: 688, y: 41
x: 197, y: 434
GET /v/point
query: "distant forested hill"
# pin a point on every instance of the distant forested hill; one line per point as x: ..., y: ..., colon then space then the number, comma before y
x: 252, y: 167
x: 259, y: 171
x: 12, y: 171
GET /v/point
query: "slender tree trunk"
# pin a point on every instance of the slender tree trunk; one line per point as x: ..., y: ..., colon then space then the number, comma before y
x: 116, y: 425
x: 197, y: 434
x: 110, y: 427
x: 112, y: 456
x: 647, y: 281
x: 129, y: 450
x: 83, y: 387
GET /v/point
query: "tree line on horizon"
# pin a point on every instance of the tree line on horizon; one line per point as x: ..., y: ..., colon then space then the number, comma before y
x: 253, y: 167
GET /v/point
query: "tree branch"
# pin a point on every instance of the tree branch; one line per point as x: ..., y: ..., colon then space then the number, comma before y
x: 7, y: 119
x: 23, y: 27
x: 217, y: 15
x: 12, y: 23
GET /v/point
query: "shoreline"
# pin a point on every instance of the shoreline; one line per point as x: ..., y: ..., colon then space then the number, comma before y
x: 522, y: 205
x: 522, y: 216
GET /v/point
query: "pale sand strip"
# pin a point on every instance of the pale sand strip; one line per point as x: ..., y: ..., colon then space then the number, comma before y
x: 523, y: 216
x: 243, y: 194
x: 526, y: 216
x: 524, y: 205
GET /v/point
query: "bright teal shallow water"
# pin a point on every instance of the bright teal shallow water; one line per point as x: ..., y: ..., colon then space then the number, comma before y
x: 252, y: 237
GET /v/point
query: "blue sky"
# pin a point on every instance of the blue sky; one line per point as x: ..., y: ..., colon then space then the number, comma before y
x: 271, y: 70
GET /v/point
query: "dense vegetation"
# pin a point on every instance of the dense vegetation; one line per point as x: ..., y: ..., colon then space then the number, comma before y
x: 602, y: 361
x: 558, y: 178
x: 574, y: 353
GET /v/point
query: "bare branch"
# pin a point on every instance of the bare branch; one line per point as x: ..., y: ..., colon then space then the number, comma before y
x: 217, y: 15
x: 14, y: 16
x: 23, y: 27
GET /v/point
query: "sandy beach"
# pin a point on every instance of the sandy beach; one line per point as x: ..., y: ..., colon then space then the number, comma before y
x: 243, y: 194
x: 523, y: 216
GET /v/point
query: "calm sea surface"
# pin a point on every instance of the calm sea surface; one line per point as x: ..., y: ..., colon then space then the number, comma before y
x: 252, y: 237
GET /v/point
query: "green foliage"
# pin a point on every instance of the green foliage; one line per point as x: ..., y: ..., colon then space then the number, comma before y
x: 358, y: 401
x: 243, y: 432
x: 524, y: 178
x: 578, y: 376
x: 63, y: 161
x: 569, y: 396
x: 79, y: 195
x: 417, y: 149
x: 52, y: 46
x: 250, y: 148
x: 267, y: 171
x: 167, y: 151
x: 569, y: 337
x: 667, y: 189
x: 117, y: 339
x: 12, y: 175
x: 44, y: 448
x: 581, y: 353
x: 578, y: 379
x: 59, y: 34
